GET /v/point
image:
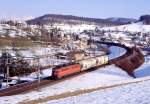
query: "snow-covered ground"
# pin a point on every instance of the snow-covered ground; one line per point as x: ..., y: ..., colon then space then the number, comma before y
x: 136, y: 93
x: 135, y: 27
x: 12, y: 31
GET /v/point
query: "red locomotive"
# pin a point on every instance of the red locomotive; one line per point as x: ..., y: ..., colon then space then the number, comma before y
x: 61, y: 71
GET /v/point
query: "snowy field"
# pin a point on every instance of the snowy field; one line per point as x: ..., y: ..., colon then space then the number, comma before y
x: 135, y: 27
x: 137, y: 93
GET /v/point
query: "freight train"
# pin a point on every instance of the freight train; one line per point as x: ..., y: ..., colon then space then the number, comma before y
x: 21, y: 67
x: 82, y: 65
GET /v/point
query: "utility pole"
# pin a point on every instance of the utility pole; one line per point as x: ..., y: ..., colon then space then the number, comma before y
x: 7, y: 69
x: 38, y: 67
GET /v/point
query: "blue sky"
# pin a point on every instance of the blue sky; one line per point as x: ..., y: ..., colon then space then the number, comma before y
x: 87, y: 8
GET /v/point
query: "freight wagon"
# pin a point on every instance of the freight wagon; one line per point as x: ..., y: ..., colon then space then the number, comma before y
x: 65, y: 70
x: 93, y: 62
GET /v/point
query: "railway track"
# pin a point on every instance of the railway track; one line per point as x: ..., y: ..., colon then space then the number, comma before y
x: 34, y: 85
x: 28, y: 86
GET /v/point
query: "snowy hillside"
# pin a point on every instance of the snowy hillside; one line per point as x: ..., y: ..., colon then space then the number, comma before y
x: 135, y: 27
x: 12, y: 31
x: 75, y: 28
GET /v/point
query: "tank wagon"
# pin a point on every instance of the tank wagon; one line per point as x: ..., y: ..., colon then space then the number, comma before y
x: 93, y: 62
x: 82, y: 65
